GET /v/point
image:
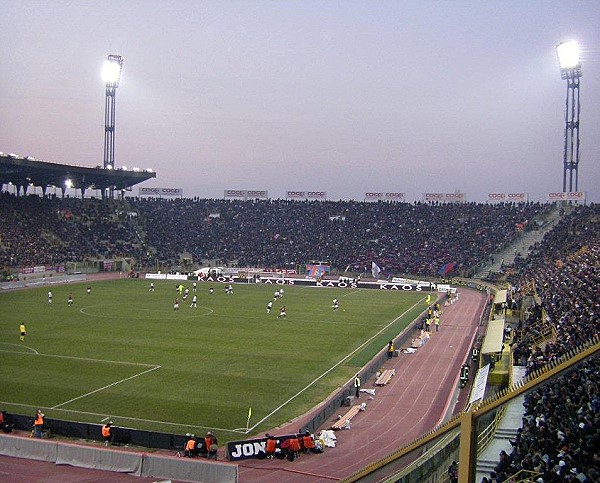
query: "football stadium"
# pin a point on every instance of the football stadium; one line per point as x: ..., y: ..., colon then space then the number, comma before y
x: 110, y: 316
x: 165, y: 325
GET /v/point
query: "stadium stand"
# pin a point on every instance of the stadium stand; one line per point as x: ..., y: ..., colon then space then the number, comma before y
x: 72, y: 230
x: 561, y: 427
x: 565, y: 273
x: 404, y: 238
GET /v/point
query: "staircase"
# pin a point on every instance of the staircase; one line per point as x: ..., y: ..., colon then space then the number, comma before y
x: 506, y: 431
x: 521, y: 245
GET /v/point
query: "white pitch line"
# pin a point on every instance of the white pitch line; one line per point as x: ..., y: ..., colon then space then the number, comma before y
x: 79, y: 358
x: 333, y: 367
x: 33, y: 351
x: 127, y: 418
x: 105, y: 387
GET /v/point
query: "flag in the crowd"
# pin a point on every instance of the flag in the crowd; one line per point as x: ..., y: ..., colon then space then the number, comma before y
x: 375, y: 270
x: 446, y: 268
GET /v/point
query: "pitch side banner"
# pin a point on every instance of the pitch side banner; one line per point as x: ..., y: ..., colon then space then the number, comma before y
x: 250, y: 448
x: 351, y: 283
x: 445, y: 197
x: 165, y: 276
x: 161, y: 192
x: 247, y: 194
x: 571, y: 196
x: 507, y: 198
x: 383, y: 196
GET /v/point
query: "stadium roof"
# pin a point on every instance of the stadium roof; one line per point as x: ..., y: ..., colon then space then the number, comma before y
x: 24, y: 172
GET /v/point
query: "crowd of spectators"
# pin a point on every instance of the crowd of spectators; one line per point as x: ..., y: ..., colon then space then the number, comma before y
x: 53, y: 231
x: 561, y: 428
x: 402, y: 238
x: 560, y: 435
x: 565, y: 269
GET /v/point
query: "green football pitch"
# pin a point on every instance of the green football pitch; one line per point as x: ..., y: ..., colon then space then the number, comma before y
x: 122, y: 352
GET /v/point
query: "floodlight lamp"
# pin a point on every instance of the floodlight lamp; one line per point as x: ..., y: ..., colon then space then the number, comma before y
x: 68, y: 183
x: 111, y: 71
x: 568, y: 54
x: 109, y: 166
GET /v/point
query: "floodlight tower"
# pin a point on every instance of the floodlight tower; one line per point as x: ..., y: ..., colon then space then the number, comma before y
x: 570, y: 70
x: 111, y: 74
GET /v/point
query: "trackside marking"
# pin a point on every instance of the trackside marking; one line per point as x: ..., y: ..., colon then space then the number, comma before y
x: 368, y: 341
x: 106, y: 387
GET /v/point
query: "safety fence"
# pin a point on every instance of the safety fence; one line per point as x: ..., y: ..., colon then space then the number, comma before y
x: 134, y: 463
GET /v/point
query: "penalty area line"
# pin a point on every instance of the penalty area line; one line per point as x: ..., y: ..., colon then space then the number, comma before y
x: 75, y: 358
x: 106, y: 387
x: 33, y: 351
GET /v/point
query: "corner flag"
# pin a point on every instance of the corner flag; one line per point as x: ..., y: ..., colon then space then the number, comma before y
x: 249, y: 416
x: 375, y: 270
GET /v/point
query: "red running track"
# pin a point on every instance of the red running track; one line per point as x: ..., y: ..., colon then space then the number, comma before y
x: 416, y: 399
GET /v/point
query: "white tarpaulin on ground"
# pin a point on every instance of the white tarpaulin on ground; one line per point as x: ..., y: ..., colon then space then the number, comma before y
x: 493, y: 337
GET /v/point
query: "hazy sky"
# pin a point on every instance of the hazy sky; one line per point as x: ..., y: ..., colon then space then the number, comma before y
x: 337, y: 96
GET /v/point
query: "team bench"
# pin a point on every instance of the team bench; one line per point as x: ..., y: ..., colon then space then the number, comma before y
x: 385, y: 377
x: 340, y: 423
